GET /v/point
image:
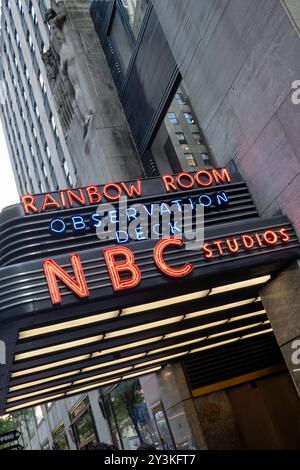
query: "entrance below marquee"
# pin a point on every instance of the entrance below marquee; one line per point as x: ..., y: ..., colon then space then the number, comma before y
x: 262, y: 414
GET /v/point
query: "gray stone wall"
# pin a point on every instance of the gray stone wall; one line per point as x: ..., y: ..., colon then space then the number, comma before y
x: 106, y: 152
x: 238, y: 59
x: 281, y: 299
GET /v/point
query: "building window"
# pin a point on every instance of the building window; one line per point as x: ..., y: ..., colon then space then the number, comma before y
x: 83, y: 425
x: 48, y: 152
x: 38, y: 413
x: 129, y: 419
x: 206, y: 159
x: 29, y: 415
x: 45, y: 171
x: 180, y: 98
x: 197, y: 138
x: 189, y: 118
x: 121, y: 39
x: 190, y: 159
x: 175, y: 149
x: 172, y: 118
x: 45, y: 445
x: 181, y: 138
x: 135, y: 12
x: 60, y: 438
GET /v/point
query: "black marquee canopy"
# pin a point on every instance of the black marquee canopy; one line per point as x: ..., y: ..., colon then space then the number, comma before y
x: 70, y: 344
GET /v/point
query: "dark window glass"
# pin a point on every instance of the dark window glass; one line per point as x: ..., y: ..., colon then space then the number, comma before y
x: 206, y: 159
x: 59, y: 438
x: 121, y: 40
x: 135, y: 12
x: 180, y: 98
x: 189, y: 118
x: 190, y: 159
x: 181, y: 138
x: 180, y: 127
x: 197, y: 137
x: 172, y: 118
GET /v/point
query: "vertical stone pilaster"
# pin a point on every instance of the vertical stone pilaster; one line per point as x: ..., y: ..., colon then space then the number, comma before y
x: 281, y: 299
x: 179, y: 406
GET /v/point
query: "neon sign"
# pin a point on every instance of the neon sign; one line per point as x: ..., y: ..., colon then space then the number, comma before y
x: 125, y: 273
x: 79, y: 224
x: 112, y: 192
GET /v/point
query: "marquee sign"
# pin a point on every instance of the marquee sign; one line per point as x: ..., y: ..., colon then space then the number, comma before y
x: 78, y: 312
x: 112, y: 192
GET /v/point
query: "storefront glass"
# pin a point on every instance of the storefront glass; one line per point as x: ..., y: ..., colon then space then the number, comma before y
x: 128, y: 415
x: 60, y: 438
x: 163, y: 427
x: 83, y: 425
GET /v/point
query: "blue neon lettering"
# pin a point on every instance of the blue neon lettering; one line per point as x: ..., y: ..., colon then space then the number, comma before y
x: 96, y: 220
x: 78, y: 223
x: 222, y: 198
x: 113, y: 217
x: 164, y: 208
x: 131, y: 213
x: 149, y: 212
x: 120, y: 236
x: 174, y: 227
x: 155, y: 230
x: 192, y: 203
x: 179, y: 204
x: 54, y: 228
x: 139, y: 233
x: 202, y: 199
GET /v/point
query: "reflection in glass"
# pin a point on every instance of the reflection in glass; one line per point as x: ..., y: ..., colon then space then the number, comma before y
x: 121, y: 40
x: 163, y: 428
x: 129, y: 415
x: 38, y: 414
x: 60, y: 438
x: 179, y: 144
x: 84, y: 431
x: 135, y: 11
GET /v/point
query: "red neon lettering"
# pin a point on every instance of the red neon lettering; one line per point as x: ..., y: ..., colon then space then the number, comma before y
x: 207, y: 252
x: 235, y: 246
x: 162, y: 265
x: 207, y: 175
x: 218, y: 244
x: 127, y: 265
x: 270, y: 237
x: 247, y: 241
x: 49, y: 201
x: 133, y: 190
x: 115, y: 187
x: 53, y: 271
x: 72, y: 196
x: 28, y: 202
x: 63, y: 198
x: 93, y: 194
x: 224, y: 177
x: 185, y: 176
x: 284, y: 236
x: 169, y: 183
x: 258, y: 239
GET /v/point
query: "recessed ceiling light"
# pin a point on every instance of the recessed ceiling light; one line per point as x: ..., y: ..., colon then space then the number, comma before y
x: 240, y: 285
x: 143, y: 327
x: 50, y: 365
x: 58, y: 347
x: 68, y: 324
x: 165, y: 302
